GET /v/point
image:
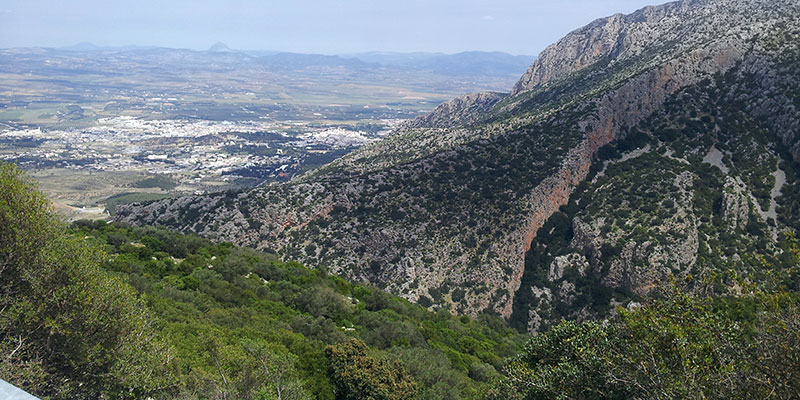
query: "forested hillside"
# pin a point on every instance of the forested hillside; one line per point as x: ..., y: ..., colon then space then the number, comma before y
x: 106, y: 310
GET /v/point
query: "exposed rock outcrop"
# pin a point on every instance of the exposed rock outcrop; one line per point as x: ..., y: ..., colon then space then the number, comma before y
x: 462, y: 110
x: 735, y: 203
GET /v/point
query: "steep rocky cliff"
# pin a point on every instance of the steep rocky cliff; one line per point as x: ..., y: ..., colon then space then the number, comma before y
x: 445, y: 210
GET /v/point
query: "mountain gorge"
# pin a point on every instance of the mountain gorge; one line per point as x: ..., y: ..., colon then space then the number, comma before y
x: 661, y: 143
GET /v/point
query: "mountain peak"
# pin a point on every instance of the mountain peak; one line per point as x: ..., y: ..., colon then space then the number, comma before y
x: 665, y: 30
x: 82, y: 46
x: 220, y: 47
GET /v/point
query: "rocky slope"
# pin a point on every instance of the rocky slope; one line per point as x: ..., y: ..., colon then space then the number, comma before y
x: 445, y: 210
x: 462, y: 110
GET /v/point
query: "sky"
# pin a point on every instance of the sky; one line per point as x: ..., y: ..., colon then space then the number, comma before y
x: 522, y: 27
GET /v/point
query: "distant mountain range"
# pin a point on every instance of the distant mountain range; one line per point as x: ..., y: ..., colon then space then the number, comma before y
x: 465, y: 63
x: 405, y: 84
x: 89, y: 47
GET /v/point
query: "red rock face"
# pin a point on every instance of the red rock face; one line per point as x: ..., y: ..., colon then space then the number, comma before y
x: 553, y: 193
x: 620, y: 108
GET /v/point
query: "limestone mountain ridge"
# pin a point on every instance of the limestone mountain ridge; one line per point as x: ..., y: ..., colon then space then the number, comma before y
x: 696, y: 95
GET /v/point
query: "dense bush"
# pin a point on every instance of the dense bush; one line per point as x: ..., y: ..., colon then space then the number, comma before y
x: 679, y: 346
x: 68, y: 329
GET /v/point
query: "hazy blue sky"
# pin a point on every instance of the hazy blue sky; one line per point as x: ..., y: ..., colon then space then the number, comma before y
x: 319, y: 26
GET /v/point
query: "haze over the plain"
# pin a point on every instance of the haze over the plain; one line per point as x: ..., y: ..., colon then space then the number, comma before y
x: 310, y: 26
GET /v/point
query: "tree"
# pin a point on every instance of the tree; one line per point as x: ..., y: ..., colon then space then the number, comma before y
x: 70, y: 329
x: 568, y: 362
x: 276, y: 368
x: 358, y: 375
x: 252, y: 369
